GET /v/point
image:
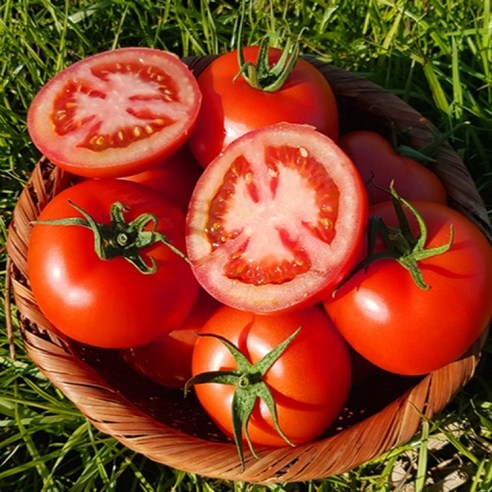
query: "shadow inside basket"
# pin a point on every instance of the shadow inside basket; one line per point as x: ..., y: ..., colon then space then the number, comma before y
x: 170, y: 407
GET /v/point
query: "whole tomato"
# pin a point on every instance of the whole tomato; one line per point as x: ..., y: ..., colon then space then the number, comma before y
x: 231, y: 106
x: 175, y: 177
x: 109, y: 277
x: 167, y: 361
x: 418, y: 308
x: 308, y: 380
x: 380, y: 165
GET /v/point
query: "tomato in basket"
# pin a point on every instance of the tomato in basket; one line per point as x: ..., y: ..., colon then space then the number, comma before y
x: 167, y: 361
x: 277, y: 220
x: 115, y: 113
x: 271, y: 380
x: 420, y: 303
x: 105, y: 264
x: 174, y: 177
x: 262, y: 95
x: 380, y: 165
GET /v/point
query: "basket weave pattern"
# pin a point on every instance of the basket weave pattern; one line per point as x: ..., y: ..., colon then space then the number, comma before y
x: 158, y: 423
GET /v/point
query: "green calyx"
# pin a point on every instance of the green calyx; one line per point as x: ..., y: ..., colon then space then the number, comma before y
x: 119, y: 237
x: 400, y: 243
x: 261, y: 75
x: 250, y: 386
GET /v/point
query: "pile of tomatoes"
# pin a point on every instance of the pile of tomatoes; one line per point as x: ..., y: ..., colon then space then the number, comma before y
x: 221, y: 234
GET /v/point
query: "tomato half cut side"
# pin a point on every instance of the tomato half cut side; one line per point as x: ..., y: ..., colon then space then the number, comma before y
x: 115, y: 113
x: 276, y: 220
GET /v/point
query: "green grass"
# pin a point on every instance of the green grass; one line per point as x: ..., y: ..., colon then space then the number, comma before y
x: 435, y: 54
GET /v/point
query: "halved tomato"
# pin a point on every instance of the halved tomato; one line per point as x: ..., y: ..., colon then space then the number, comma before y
x: 115, y: 113
x: 276, y: 220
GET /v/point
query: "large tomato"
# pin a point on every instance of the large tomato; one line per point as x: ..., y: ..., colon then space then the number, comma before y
x: 380, y: 165
x: 115, y: 113
x: 277, y: 220
x: 231, y: 106
x: 401, y: 327
x: 309, y: 381
x: 108, y: 301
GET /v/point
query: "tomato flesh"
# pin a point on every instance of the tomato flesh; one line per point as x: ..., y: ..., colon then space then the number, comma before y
x: 115, y: 113
x: 276, y: 219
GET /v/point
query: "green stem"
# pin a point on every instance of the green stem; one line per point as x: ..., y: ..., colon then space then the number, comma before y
x: 121, y: 238
x: 249, y: 388
x: 401, y: 244
x: 261, y: 75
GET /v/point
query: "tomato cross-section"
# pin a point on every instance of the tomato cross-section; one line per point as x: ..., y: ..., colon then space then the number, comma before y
x: 277, y: 220
x: 115, y: 113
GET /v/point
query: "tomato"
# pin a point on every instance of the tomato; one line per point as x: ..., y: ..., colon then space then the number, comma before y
x: 167, y: 361
x: 231, y: 107
x: 175, y: 177
x: 379, y: 164
x: 115, y: 113
x: 277, y: 220
x: 110, y: 302
x: 406, y: 329
x: 310, y: 381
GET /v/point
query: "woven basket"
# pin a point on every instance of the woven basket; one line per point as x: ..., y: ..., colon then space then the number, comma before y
x: 154, y: 421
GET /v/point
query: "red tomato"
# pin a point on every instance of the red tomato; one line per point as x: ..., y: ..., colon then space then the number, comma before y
x: 379, y: 164
x: 310, y: 381
x: 277, y: 220
x: 175, y: 178
x: 109, y: 303
x: 115, y: 113
x: 231, y: 107
x: 403, y: 328
x: 167, y: 361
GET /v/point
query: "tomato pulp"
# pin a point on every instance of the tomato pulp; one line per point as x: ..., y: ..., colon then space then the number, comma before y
x: 115, y: 113
x: 277, y: 220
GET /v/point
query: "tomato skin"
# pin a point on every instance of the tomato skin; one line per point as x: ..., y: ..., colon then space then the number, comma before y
x: 115, y: 113
x: 231, y: 107
x: 175, y: 177
x: 380, y: 164
x: 310, y: 381
x: 167, y: 361
x: 260, y: 213
x: 401, y: 328
x: 109, y: 303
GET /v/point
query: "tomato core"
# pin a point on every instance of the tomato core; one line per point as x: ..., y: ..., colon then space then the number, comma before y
x: 138, y: 99
x: 254, y: 257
